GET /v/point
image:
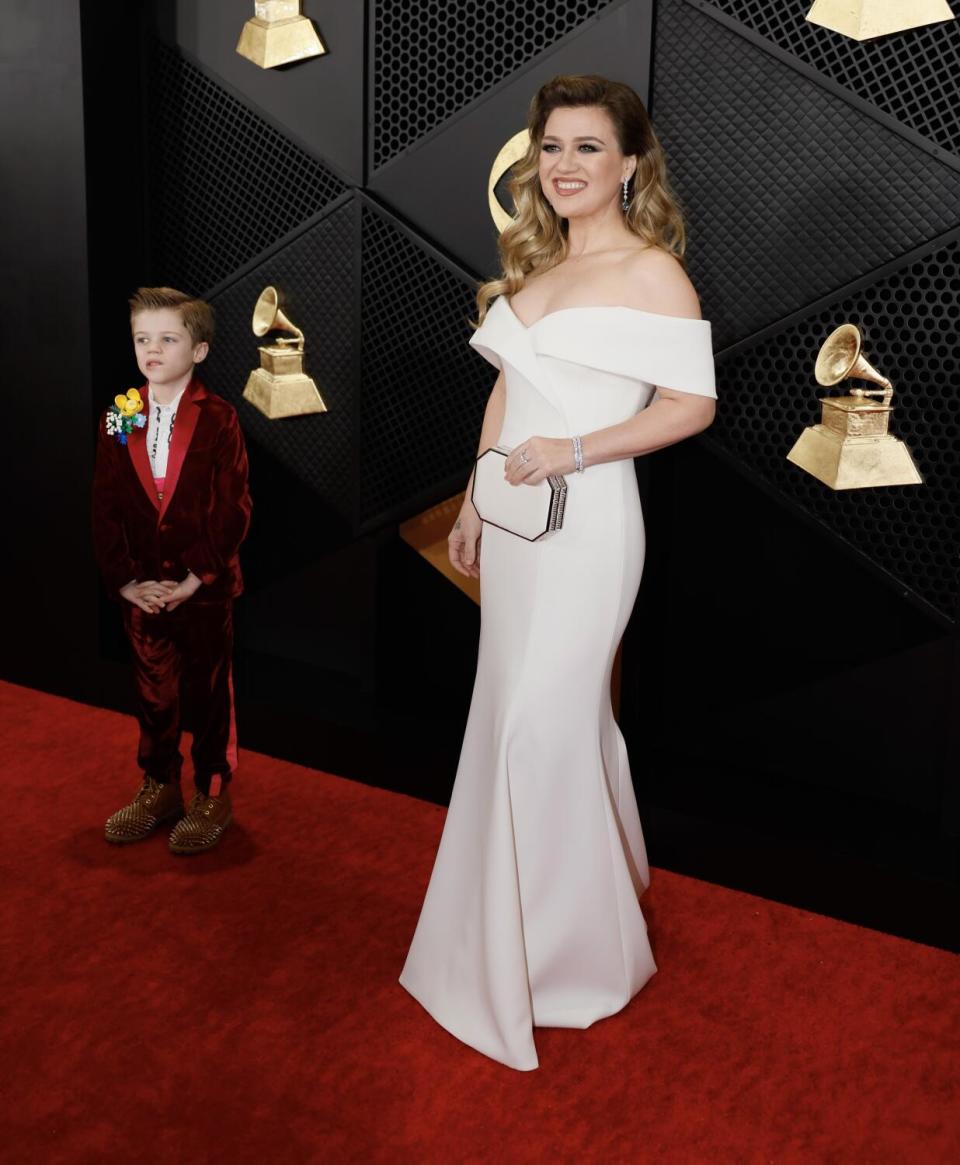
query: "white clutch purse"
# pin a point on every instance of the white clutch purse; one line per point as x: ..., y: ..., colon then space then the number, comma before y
x: 529, y: 511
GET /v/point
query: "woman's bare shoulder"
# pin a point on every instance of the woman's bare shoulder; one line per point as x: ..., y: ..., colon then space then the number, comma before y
x: 654, y: 280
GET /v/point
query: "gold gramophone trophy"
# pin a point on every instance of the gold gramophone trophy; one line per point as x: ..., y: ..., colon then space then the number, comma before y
x: 511, y: 153
x: 863, y: 19
x: 851, y: 447
x: 279, y: 34
x: 280, y: 387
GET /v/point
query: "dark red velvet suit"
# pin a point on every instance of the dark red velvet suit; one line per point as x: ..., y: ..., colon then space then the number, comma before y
x: 182, y: 658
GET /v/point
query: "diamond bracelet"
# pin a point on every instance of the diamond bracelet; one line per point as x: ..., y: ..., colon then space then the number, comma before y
x: 577, y: 454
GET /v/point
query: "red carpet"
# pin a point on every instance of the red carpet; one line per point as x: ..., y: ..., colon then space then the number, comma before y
x: 243, y: 1006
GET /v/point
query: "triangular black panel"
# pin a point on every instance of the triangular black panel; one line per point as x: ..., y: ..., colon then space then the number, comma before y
x: 432, y: 58
x: 911, y: 76
x: 768, y: 394
x: 440, y: 184
x: 224, y: 185
x: 318, y: 102
x: 316, y: 275
x: 790, y: 190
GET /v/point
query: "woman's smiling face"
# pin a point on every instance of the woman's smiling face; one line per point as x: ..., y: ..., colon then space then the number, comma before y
x: 581, y: 165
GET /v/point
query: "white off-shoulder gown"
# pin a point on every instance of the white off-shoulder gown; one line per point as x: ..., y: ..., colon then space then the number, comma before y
x: 531, y: 917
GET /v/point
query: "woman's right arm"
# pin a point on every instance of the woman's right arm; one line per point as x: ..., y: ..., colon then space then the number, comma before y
x: 463, y: 542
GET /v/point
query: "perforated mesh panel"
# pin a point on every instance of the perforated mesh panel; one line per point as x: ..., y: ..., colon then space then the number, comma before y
x: 224, y: 184
x: 911, y: 75
x: 315, y: 273
x: 769, y: 394
x: 431, y: 58
x: 424, y: 390
x: 790, y: 192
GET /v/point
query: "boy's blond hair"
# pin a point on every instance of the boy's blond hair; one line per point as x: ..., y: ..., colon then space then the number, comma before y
x: 197, y: 314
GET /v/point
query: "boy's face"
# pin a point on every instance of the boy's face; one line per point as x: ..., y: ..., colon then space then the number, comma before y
x: 165, y: 349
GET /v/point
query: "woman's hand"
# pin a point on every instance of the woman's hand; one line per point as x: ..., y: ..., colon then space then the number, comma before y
x: 537, y: 458
x: 463, y: 541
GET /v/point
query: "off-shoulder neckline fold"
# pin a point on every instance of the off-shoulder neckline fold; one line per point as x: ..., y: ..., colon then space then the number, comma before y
x: 595, y: 307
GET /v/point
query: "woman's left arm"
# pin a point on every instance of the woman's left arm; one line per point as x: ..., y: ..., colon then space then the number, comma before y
x: 652, y: 276
x: 670, y: 418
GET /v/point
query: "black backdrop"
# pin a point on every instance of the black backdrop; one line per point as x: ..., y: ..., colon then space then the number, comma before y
x: 790, y: 674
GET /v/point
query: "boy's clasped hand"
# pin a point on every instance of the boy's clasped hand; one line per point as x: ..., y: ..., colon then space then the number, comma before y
x: 165, y: 595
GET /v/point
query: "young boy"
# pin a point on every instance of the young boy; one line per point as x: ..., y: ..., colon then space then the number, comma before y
x: 170, y: 509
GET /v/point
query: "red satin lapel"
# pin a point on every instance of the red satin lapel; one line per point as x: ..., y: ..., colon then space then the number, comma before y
x: 137, y: 447
x: 187, y: 416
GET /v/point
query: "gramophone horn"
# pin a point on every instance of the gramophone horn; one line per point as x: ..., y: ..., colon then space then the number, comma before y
x: 852, y: 446
x: 280, y: 387
x: 267, y: 316
x: 841, y: 356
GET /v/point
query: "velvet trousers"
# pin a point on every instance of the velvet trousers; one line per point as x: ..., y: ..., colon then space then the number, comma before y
x: 182, y: 665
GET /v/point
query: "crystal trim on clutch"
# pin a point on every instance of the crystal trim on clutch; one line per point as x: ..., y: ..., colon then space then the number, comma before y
x: 529, y: 511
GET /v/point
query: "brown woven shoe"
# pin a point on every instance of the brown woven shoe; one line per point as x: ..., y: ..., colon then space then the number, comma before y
x: 207, y: 818
x: 154, y: 804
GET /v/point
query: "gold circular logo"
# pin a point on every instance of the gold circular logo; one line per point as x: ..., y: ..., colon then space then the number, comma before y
x: 510, y: 154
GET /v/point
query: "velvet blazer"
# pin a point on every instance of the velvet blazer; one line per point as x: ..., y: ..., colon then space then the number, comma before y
x: 202, y: 516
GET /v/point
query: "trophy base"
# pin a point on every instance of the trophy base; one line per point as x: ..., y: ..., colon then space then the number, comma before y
x: 865, y: 21
x: 279, y: 42
x: 283, y: 396
x: 854, y: 462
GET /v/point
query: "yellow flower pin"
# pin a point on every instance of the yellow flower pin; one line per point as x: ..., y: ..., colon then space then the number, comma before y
x: 129, y: 405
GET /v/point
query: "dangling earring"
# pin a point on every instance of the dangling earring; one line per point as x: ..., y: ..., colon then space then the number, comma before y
x: 626, y: 198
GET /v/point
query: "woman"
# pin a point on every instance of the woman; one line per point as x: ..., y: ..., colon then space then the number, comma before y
x: 532, y: 916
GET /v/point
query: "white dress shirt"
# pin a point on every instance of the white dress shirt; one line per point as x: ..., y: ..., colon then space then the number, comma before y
x: 160, y: 432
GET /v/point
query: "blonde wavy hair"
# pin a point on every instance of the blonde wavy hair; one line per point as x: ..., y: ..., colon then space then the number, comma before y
x: 537, y: 239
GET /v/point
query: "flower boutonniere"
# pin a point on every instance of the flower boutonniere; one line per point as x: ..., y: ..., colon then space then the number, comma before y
x: 125, y: 415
